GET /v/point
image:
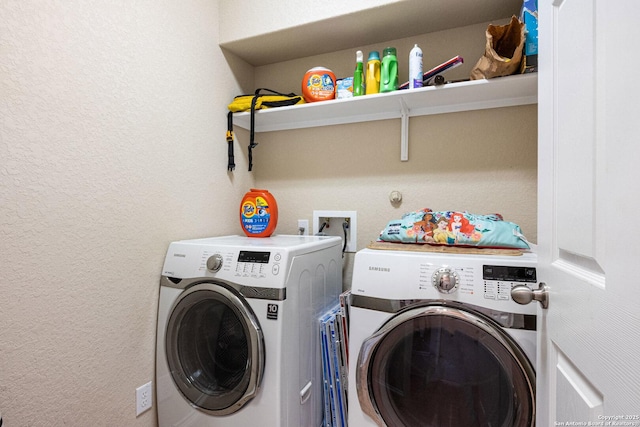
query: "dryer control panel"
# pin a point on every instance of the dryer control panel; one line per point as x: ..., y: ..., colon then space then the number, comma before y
x: 243, y: 263
x: 249, y: 261
x: 252, y: 264
x: 499, y: 279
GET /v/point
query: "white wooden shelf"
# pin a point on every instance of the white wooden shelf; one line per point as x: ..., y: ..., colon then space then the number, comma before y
x: 452, y: 97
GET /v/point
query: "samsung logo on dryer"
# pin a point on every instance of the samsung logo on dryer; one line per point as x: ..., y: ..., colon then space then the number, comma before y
x: 180, y: 255
x: 381, y: 269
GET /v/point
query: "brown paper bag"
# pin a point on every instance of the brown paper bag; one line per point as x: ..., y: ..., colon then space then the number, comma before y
x: 503, y: 51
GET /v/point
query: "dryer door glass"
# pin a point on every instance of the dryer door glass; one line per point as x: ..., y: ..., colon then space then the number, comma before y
x: 214, y: 348
x: 445, y: 367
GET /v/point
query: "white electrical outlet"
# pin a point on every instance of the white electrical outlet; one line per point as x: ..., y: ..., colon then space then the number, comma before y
x: 334, y: 226
x: 303, y: 227
x: 144, y: 398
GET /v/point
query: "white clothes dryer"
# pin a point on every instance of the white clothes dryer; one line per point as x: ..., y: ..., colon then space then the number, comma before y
x: 437, y: 341
x: 237, y: 337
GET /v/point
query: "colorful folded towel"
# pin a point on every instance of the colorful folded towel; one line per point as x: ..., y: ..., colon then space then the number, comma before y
x: 454, y: 228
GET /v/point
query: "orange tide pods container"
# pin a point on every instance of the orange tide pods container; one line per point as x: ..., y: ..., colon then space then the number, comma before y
x: 258, y: 213
x: 319, y: 84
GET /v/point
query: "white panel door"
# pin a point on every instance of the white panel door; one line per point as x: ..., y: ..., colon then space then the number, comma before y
x: 589, y: 202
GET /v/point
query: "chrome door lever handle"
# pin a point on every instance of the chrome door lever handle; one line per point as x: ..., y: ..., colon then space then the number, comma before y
x: 523, y: 295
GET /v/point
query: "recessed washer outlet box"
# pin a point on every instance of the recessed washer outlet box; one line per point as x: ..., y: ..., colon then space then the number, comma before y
x: 334, y: 226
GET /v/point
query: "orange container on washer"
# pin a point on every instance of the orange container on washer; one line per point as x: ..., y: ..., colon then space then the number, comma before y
x: 258, y: 213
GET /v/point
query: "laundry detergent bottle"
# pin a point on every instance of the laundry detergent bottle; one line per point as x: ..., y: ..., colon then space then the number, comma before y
x: 389, y: 70
x: 372, y: 82
x: 258, y: 213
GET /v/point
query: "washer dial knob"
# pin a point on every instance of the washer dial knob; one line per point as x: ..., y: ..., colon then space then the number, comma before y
x: 445, y: 280
x: 214, y: 263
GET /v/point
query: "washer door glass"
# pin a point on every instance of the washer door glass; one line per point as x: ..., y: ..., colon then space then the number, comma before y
x: 215, y: 348
x: 441, y: 366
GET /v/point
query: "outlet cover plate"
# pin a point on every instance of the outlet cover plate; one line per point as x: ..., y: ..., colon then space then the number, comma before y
x: 144, y: 398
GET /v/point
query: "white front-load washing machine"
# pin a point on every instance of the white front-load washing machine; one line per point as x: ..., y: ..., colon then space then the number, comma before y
x: 237, y: 337
x: 437, y: 341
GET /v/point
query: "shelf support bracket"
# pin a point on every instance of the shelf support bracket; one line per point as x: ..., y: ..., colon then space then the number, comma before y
x: 404, y: 131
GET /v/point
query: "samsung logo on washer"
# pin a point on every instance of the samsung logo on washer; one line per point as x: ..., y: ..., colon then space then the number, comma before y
x: 180, y: 255
x: 381, y: 269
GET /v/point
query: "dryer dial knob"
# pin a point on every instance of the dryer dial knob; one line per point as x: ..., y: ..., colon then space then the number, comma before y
x: 214, y: 263
x: 445, y: 280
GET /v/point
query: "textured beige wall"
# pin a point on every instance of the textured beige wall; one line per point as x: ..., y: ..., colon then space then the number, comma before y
x: 451, y: 166
x: 483, y: 162
x: 112, y: 124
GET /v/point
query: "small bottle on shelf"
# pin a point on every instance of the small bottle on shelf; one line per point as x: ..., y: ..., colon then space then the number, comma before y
x: 415, y: 67
x: 358, y: 76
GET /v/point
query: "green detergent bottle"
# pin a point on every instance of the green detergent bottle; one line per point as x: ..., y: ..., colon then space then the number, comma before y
x: 389, y: 70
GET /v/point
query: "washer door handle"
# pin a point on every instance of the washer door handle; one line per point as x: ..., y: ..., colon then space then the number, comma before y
x: 523, y: 295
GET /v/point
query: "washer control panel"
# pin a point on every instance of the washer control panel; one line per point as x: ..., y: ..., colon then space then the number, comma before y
x: 497, y: 280
x: 481, y: 279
